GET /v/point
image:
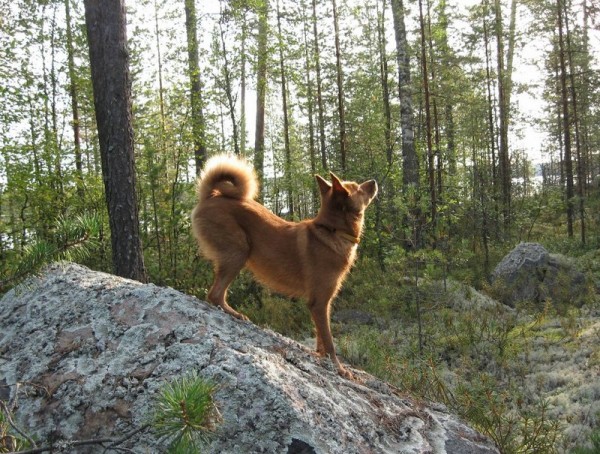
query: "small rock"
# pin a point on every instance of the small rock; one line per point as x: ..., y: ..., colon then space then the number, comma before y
x: 530, y: 273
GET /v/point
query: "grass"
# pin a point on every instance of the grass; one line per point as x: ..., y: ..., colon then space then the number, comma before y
x: 592, y: 447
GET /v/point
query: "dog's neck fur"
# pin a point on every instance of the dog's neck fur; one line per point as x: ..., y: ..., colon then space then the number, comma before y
x: 351, y: 237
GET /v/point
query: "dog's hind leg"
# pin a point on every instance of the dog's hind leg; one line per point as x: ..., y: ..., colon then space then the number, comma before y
x: 225, y: 273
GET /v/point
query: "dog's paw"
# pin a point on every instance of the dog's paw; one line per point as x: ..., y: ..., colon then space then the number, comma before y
x: 241, y: 317
x: 231, y: 311
x: 343, y: 372
x: 238, y: 315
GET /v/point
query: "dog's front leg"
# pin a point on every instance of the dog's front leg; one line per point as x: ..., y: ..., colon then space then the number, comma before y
x: 319, y: 311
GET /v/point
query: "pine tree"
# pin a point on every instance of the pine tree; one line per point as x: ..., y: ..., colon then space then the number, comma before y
x: 106, y: 28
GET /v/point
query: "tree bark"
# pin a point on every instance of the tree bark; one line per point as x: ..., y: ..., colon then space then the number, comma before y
x: 311, y: 108
x: 74, y: 102
x: 261, y: 89
x: 320, y: 108
x: 229, y: 86
x: 385, y: 86
x: 243, y: 133
x: 504, y: 78
x: 410, y: 162
x: 566, y: 120
x: 576, y: 122
x: 590, y: 170
x: 109, y: 61
x: 495, y: 183
x: 428, y: 126
x: 340, y: 85
x: 198, y: 122
x: 161, y: 97
x: 286, y: 124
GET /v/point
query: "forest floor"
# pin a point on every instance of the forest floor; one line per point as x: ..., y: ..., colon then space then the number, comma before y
x: 525, y: 376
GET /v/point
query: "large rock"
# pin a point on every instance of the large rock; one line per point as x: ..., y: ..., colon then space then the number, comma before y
x: 530, y: 273
x: 87, y: 352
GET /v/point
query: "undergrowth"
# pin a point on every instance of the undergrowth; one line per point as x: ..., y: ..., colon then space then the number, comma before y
x: 443, y: 341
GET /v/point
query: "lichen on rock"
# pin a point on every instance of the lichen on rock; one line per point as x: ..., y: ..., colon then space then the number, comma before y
x: 92, y: 351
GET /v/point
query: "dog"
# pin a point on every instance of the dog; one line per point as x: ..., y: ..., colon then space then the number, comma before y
x: 307, y: 259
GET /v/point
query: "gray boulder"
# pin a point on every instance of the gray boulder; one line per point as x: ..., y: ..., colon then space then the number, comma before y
x: 83, y: 355
x: 530, y: 273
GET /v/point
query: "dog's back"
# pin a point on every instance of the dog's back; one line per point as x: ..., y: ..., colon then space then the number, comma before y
x: 233, y: 230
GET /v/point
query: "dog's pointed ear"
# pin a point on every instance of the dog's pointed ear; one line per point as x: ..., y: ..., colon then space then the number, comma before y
x: 337, y: 184
x: 369, y: 188
x: 324, y: 185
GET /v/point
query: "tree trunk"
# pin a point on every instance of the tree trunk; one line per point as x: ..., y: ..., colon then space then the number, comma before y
x: 340, y: 86
x: 55, y: 149
x: 446, y: 61
x: 229, y: 87
x: 320, y: 108
x: 504, y: 78
x: 495, y: 183
x: 385, y: 87
x: 410, y: 162
x: 198, y: 122
x: 74, y: 102
x: 511, y: 50
x: 154, y: 169
x: 589, y: 171
x: 243, y: 133
x: 261, y: 90
x: 566, y: 120
x: 428, y: 127
x: 286, y: 124
x: 161, y: 98
x: 109, y: 61
x: 576, y: 122
x: 50, y: 151
x: 311, y: 110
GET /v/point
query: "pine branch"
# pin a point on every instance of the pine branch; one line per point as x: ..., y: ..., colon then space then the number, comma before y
x: 74, y: 239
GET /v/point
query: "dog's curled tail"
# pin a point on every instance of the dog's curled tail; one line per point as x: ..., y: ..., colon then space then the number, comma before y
x: 229, y: 176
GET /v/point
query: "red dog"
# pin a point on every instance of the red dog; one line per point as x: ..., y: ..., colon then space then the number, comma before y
x: 308, y: 259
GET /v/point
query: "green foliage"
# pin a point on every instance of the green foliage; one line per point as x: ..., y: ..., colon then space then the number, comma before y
x: 10, y: 441
x: 72, y: 239
x: 185, y: 413
x: 284, y: 315
x: 12, y: 438
x: 475, y: 352
x: 593, y: 447
x: 491, y: 409
x: 49, y: 210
